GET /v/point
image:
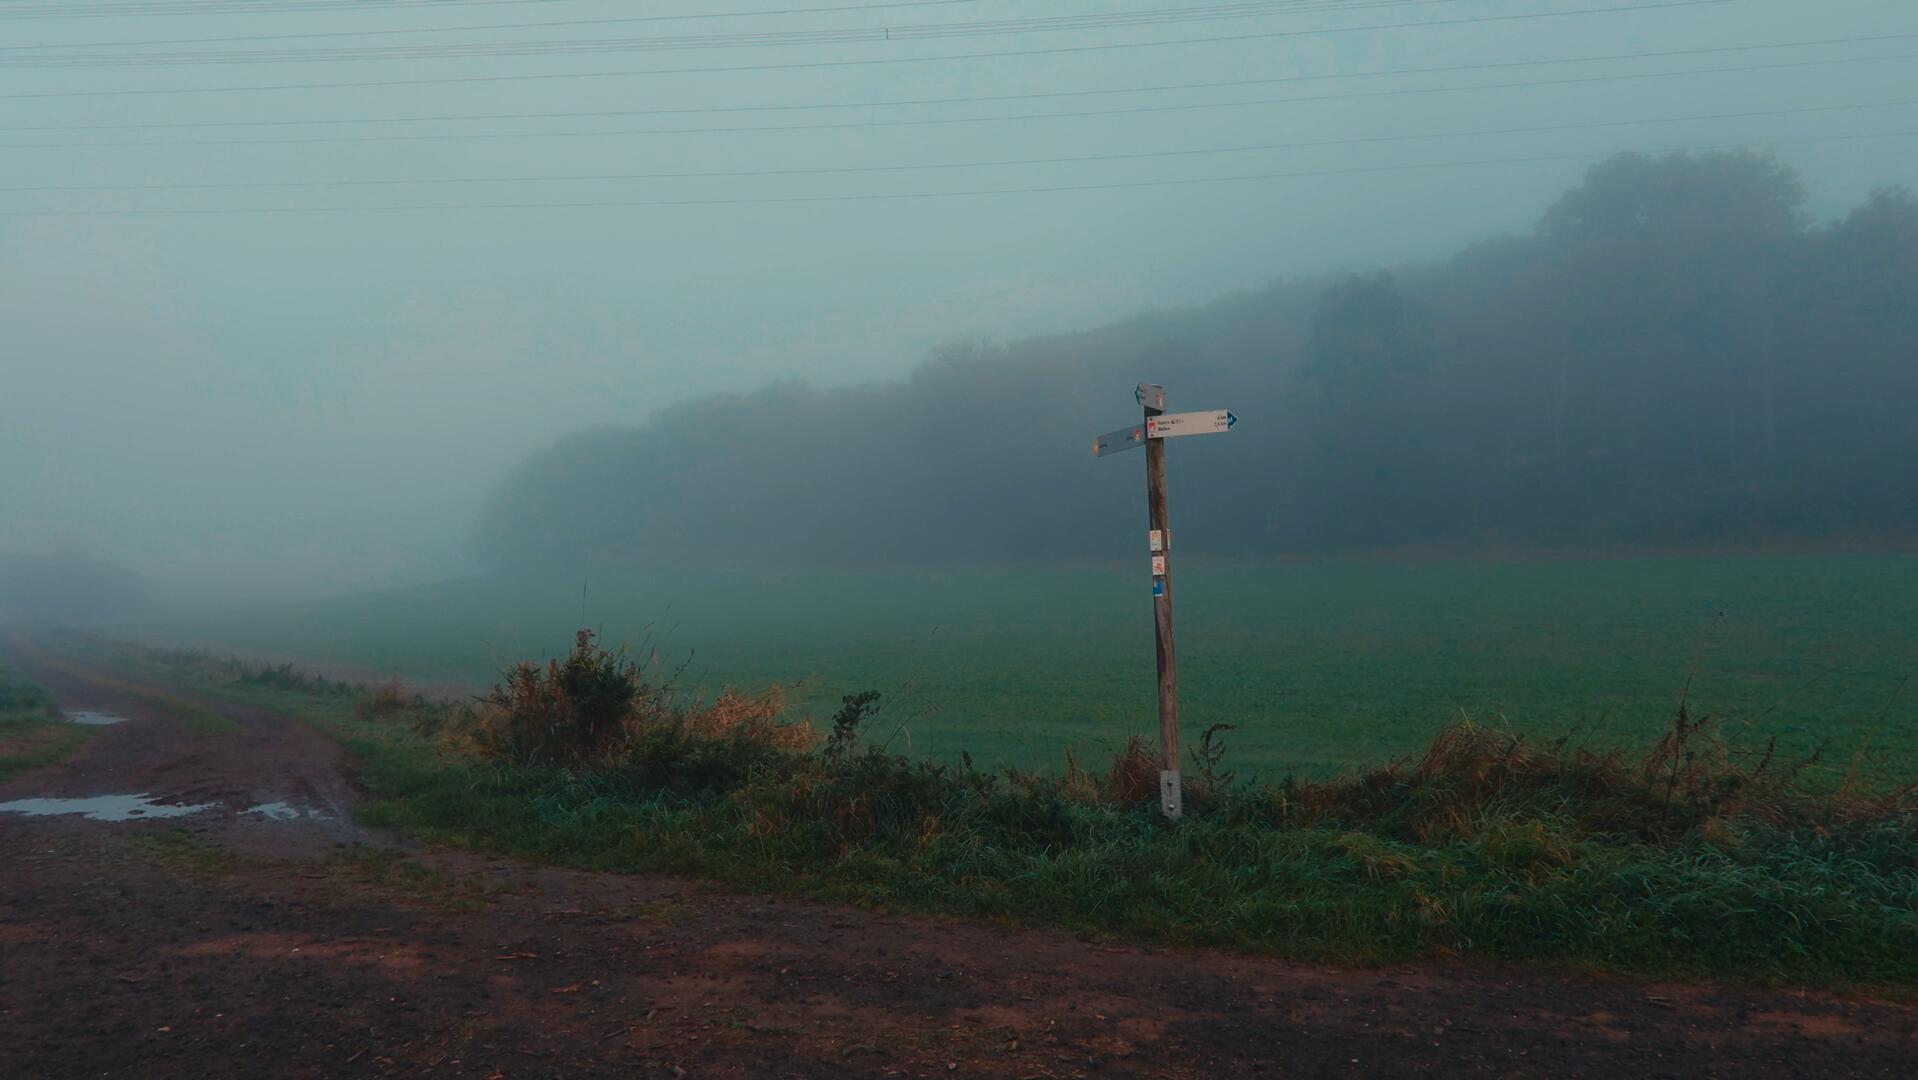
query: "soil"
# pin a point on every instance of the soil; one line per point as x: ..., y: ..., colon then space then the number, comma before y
x: 233, y: 944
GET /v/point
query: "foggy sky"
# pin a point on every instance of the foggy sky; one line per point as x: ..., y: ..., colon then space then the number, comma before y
x: 313, y: 402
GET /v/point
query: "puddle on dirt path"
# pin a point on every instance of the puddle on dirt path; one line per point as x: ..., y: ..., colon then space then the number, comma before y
x: 103, y: 808
x: 93, y: 719
x: 281, y: 811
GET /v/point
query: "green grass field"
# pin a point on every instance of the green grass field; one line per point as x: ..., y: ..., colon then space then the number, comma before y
x: 31, y: 731
x: 1318, y: 666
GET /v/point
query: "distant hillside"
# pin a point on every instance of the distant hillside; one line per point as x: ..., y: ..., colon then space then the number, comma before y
x: 1673, y: 357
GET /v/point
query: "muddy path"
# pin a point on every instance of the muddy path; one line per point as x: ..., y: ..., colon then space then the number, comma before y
x: 241, y: 765
x: 232, y: 943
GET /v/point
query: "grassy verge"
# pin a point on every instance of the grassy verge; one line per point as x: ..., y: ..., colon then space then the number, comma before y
x: 144, y: 667
x: 32, y: 735
x: 1689, y: 857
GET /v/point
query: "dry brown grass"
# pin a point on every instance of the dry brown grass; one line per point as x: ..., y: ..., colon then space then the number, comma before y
x: 383, y: 699
x: 1133, y: 779
x: 1078, y: 785
x: 752, y: 717
x: 1471, y: 777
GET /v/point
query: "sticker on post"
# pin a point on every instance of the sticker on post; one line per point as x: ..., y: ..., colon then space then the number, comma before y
x: 1158, y: 566
x: 1158, y: 588
x: 1156, y: 540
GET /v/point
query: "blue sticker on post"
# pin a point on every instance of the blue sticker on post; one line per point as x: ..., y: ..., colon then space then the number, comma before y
x: 1158, y: 588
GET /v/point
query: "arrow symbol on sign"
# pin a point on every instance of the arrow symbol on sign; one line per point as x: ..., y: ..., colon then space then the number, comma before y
x: 1230, y: 419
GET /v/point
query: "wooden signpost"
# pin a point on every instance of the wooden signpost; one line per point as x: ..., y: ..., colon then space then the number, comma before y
x: 1158, y: 426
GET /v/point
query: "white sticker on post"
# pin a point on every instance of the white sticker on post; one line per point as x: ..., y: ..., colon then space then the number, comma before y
x: 1156, y: 540
x: 1158, y: 566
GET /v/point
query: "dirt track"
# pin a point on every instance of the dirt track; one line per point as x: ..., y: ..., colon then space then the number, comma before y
x: 309, y: 948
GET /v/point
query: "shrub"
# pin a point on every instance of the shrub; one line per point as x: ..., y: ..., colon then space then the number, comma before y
x: 854, y: 712
x: 599, y: 709
x: 570, y: 711
x: 384, y: 699
x: 277, y: 676
x: 24, y: 700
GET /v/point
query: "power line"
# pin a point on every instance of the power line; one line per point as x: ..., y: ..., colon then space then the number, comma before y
x: 1132, y: 110
x: 696, y: 16
x: 233, y: 7
x: 1063, y: 50
x: 554, y: 23
x: 752, y: 39
x: 989, y: 98
x: 795, y: 66
x: 1001, y: 163
x: 913, y: 195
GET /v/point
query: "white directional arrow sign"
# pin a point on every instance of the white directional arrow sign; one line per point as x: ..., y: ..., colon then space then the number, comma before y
x: 1173, y: 425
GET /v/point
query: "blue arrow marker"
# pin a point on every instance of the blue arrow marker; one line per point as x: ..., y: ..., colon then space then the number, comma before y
x: 1230, y: 420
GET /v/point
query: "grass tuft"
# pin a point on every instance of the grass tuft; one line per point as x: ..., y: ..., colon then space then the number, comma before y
x: 32, y: 733
x: 385, y: 699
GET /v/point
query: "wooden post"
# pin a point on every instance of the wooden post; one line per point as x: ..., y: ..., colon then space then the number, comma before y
x: 1171, y: 797
x: 1157, y: 427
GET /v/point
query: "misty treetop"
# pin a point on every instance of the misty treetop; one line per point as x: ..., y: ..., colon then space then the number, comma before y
x: 1674, y: 357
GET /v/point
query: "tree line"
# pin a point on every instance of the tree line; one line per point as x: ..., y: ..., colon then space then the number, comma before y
x: 1675, y: 357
